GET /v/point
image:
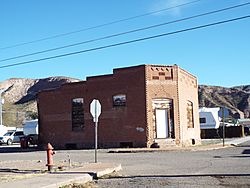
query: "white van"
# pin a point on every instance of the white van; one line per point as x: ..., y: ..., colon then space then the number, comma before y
x: 30, y: 127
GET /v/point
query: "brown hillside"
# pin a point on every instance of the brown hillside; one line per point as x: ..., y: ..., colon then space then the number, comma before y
x: 20, y: 96
x: 236, y: 99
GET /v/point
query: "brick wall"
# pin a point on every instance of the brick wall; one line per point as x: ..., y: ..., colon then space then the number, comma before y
x: 173, y: 83
x: 188, y: 92
x: 161, y: 84
x: 117, y: 124
x: 132, y: 124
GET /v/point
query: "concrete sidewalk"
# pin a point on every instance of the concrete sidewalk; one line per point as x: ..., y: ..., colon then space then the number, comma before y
x: 209, y: 144
x: 57, y: 179
x: 238, y: 141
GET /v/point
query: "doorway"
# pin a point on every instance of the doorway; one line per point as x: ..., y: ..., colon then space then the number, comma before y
x: 161, y: 123
x: 163, y: 118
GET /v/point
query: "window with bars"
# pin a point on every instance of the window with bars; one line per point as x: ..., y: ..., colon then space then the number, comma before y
x: 77, y: 114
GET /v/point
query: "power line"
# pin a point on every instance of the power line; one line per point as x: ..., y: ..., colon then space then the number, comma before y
x: 126, y: 42
x: 127, y: 32
x: 98, y: 26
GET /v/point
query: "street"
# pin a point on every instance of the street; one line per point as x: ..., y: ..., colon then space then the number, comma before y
x: 227, y: 167
x: 214, y: 168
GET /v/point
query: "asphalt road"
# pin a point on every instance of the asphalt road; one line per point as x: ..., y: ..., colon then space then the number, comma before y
x: 228, y: 167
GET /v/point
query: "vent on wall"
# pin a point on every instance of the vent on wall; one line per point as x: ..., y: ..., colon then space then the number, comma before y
x: 193, y: 141
x: 126, y: 144
x: 71, y: 146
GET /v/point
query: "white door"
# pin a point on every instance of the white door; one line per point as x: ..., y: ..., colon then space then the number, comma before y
x: 161, y: 123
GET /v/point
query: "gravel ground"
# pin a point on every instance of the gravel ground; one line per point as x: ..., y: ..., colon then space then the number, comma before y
x: 155, y: 182
x: 182, y: 182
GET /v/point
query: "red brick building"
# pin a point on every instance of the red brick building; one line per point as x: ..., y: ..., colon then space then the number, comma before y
x: 141, y: 105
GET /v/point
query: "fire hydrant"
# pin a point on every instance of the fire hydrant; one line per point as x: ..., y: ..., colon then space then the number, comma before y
x: 50, y: 154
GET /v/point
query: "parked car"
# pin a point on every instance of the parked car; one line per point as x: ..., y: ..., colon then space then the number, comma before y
x: 11, y: 137
x: 5, y: 129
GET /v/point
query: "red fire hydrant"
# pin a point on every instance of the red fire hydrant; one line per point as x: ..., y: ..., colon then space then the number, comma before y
x: 50, y: 154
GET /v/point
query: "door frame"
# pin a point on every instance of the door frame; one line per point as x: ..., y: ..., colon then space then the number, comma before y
x: 167, y: 104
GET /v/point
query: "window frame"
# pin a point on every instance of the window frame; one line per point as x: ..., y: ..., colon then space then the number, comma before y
x: 77, y: 114
x: 122, y: 100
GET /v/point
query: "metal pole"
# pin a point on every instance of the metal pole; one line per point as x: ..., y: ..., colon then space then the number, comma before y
x: 96, y: 125
x: 223, y: 126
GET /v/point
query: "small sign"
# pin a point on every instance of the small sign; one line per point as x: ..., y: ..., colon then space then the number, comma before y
x: 95, y: 109
x: 225, y: 111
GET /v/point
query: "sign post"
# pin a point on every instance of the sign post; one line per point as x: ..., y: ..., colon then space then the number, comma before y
x: 95, y: 110
x: 223, y: 113
x: 223, y: 124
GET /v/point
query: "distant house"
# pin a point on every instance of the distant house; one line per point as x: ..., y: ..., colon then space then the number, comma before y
x: 244, y: 122
x: 141, y: 106
x: 212, y: 126
x: 209, y: 118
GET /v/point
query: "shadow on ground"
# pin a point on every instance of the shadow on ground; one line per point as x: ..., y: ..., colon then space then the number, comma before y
x: 17, y: 171
x: 17, y: 149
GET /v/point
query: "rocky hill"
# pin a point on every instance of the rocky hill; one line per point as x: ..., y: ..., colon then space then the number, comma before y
x: 21, y: 90
x: 236, y: 99
x: 20, y: 97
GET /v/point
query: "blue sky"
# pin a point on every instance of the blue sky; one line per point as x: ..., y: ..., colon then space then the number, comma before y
x: 218, y: 55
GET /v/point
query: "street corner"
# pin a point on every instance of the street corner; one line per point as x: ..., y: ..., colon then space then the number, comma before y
x: 81, y: 174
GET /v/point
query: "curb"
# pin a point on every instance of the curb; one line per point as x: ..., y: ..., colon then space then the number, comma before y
x: 107, y: 171
x: 78, y: 180
x: 150, y: 150
x: 232, y: 143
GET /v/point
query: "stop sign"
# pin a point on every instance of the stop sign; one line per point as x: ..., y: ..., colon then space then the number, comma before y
x: 95, y: 109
